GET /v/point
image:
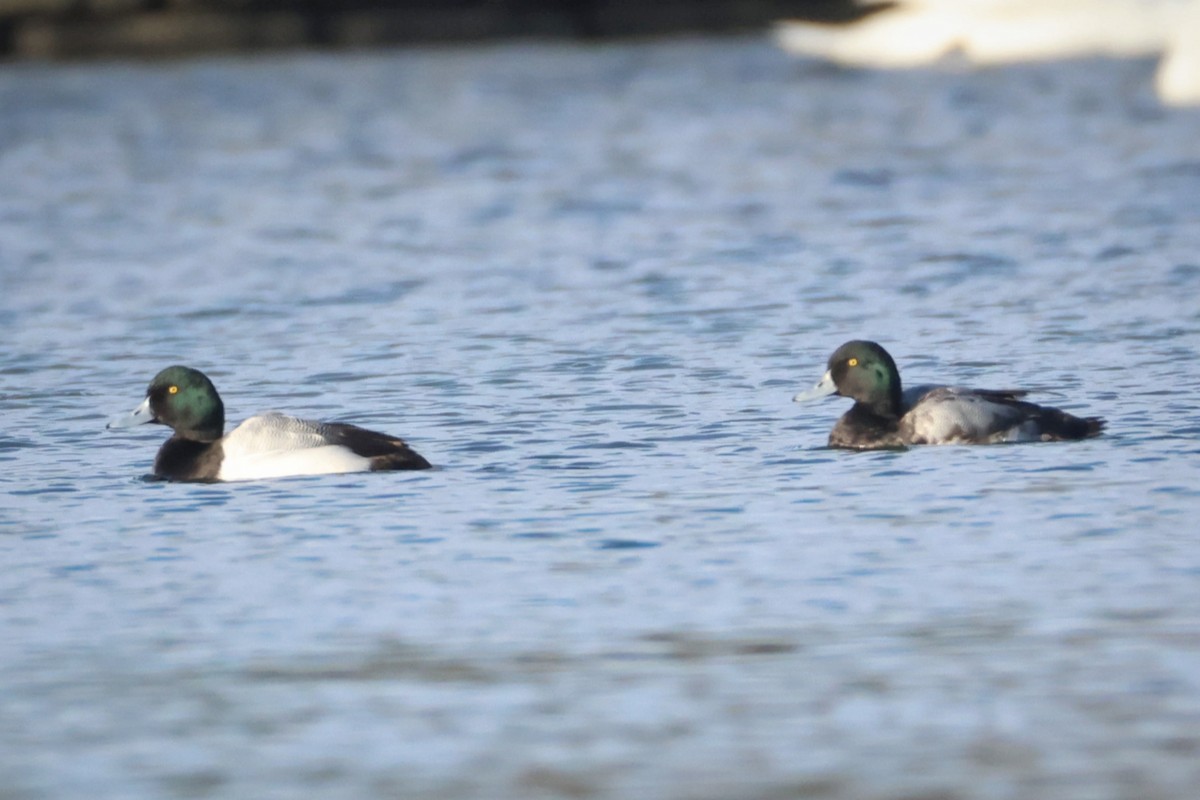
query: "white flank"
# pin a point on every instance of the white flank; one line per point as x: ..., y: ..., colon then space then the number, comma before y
x: 277, y: 446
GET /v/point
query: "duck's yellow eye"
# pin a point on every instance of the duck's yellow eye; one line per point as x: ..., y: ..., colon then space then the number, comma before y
x: 172, y: 390
x: 852, y: 362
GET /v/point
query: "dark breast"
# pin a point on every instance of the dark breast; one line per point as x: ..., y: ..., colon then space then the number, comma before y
x: 187, y: 460
x: 859, y: 429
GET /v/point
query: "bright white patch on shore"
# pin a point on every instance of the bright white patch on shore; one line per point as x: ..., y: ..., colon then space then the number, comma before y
x: 918, y: 32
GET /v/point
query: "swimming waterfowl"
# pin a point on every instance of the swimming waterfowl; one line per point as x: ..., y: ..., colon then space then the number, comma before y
x: 270, y: 445
x: 884, y: 415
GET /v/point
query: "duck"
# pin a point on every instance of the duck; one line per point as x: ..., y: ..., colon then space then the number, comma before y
x: 885, y: 415
x: 270, y: 445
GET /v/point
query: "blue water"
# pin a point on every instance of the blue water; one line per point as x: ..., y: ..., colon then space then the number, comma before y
x: 585, y: 282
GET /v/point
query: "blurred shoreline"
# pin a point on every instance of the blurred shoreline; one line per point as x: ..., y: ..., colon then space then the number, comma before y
x: 90, y: 29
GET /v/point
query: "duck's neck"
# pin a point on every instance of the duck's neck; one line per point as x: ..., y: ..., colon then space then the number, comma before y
x: 210, y: 427
x: 206, y: 434
x: 886, y: 405
x: 875, y: 415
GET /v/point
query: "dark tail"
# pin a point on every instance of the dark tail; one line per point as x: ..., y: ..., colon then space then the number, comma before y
x: 384, y: 451
x: 402, y: 458
x: 1059, y: 425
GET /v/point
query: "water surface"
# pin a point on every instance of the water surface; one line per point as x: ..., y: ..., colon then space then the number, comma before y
x: 585, y: 282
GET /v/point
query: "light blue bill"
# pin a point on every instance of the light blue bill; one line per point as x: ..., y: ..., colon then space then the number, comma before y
x: 139, y: 416
x: 824, y: 387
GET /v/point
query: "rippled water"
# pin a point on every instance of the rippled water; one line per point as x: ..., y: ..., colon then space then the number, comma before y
x: 585, y: 282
